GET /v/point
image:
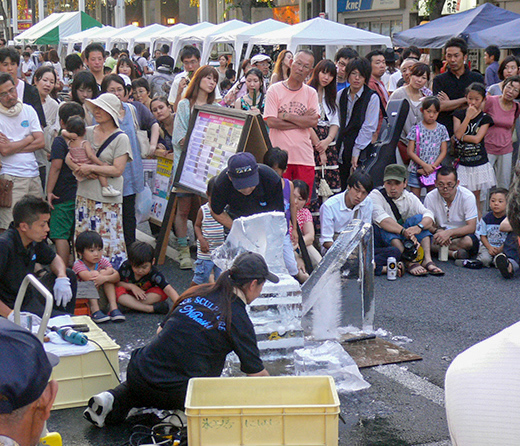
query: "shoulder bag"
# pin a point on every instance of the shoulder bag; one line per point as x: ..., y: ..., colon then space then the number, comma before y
x: 142, y: 135
x: 425, y: 180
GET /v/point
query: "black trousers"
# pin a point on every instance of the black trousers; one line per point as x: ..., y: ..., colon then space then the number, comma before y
x: 136, y: 392
x: 34, y: 302
x: 129, y: 221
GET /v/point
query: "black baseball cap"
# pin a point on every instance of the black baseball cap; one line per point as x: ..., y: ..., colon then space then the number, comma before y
x: 165, y: 64
x: 243, y: 170
x: 250, y: 265
x: 25, y: 367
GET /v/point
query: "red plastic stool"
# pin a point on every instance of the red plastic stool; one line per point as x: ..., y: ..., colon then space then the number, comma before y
x: 82, y: 308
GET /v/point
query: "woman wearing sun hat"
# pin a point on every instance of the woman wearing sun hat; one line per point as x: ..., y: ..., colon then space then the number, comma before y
x: 94, y: 211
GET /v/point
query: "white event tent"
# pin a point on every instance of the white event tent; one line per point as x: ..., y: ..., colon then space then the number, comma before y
x: 140, y: 35
x: 238, y: 37
x: 318, y: 31
x: 121, y: 34
x: 167, y: 35
x: 175, y: 46
x: 199, y: 36
x: 83, y: 37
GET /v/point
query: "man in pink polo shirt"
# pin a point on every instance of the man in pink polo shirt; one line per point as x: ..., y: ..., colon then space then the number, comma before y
x: 291, y: 112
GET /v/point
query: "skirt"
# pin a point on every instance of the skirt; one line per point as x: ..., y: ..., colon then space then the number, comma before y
x: 330, y: 173
x: 107, y: 220
x: 477, y: 177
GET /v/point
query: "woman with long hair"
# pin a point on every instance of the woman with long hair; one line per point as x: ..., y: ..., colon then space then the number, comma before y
x: 45, y: 80
x: 323, y: 80
x: 509, y: 66
x: 163, y: 112
x: 282, y: 67
x: 223, y: 63
x: 206, y: 323
x: 84, y: 86
x: 255, y: 96
x: 56, y: 64
x: 201, y: 91
x: 413, y: 91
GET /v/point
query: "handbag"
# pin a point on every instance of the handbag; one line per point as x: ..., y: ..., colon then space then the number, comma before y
x: 425, y: 180
x: 142, y: 136
x: 6, y: 193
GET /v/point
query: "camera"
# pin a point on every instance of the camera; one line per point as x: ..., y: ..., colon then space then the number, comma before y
x: 410, y: 251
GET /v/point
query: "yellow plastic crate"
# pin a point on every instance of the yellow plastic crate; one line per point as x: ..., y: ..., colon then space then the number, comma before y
x: 262, y: 411
x: 80, y: 377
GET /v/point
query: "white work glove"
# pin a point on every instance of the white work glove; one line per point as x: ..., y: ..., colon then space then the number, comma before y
x: 62, y: 291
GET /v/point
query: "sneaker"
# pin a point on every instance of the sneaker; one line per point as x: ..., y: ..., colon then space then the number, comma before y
x: 99, y: 406
x: 99, y: 317
x: 185, y: 261
x: 109, y: 191
x: 470, y: 264
x: 117, y: 316
x: 161, y: 307
x: 503, y: 263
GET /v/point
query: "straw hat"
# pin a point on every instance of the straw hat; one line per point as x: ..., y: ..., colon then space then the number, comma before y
x: 108, y: 102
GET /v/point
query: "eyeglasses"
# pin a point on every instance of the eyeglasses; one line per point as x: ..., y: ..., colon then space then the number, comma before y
x: 448, y: 186
x: 10, y: 92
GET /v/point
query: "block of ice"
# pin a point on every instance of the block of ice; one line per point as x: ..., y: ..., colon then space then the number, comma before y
x: 260, y: 233
x: 330, y: 358
x: 340, y: 291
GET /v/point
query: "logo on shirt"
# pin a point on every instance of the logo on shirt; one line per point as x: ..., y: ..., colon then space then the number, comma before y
x: 25, y: 124
x: 262, y: 203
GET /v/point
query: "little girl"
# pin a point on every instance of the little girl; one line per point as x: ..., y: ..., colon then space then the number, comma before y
x: 92, y: 266
x: 430, y: 149
x: 255, y: 97
x: 470, y: 126
x: 304, y: 218
x: 81, y: 151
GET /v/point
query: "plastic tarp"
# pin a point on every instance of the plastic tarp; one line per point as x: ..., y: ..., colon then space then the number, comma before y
x: 464, y: 24
x: 240, y: 36
x: 84, y: 37
x: 141, y: 35
x: 503, y: 36
x: 318, y: 31
x: 55, y: 27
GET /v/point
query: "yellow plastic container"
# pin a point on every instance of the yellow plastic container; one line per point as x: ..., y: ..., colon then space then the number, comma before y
x: 262, y: 411
x: 80, y: 377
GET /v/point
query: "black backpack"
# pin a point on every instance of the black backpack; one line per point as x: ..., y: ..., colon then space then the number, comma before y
x: 138, y: 70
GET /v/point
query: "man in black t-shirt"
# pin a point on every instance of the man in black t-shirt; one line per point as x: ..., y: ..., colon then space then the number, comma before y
x: 245, y: 188
x: 451, y: 86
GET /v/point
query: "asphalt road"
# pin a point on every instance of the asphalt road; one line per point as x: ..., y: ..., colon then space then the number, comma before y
x: 435, y: 317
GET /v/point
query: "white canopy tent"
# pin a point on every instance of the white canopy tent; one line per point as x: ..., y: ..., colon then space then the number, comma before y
x: 318, y: 31
x: 199, y: 36
x: 239, y: 36
x: 142, y: 35
x: 83, y: 37
x: 106, y: 37
x: 166, y: 35
x: 121, y: 34
x: 221, y: 35
x: 198, y: 27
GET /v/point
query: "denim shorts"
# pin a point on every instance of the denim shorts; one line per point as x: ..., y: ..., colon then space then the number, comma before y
x: 413, y: 180
x: 203, y: 270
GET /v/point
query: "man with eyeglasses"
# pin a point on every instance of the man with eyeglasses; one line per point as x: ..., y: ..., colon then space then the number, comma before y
x: 342, y: 58
x: 455, y: 210
x: 20, y: 136
x: 190, y: 58
x: 291, y: 112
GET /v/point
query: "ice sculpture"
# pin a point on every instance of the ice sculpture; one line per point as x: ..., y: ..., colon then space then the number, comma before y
x: 276, y: 314
x: 340, y: 291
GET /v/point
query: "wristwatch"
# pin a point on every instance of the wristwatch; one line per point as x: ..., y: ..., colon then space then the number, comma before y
x: 421, y: 226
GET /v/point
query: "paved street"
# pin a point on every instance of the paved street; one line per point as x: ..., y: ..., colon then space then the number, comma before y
x: 435, y: 317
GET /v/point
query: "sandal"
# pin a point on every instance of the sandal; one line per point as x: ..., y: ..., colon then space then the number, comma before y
x: 433, y: 269
x: 400, y: 269
x: 503, y: 264
x: 412, y: 267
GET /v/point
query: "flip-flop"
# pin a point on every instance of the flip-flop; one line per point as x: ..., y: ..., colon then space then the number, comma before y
x: 433, y: 269
x: 413, y: 266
